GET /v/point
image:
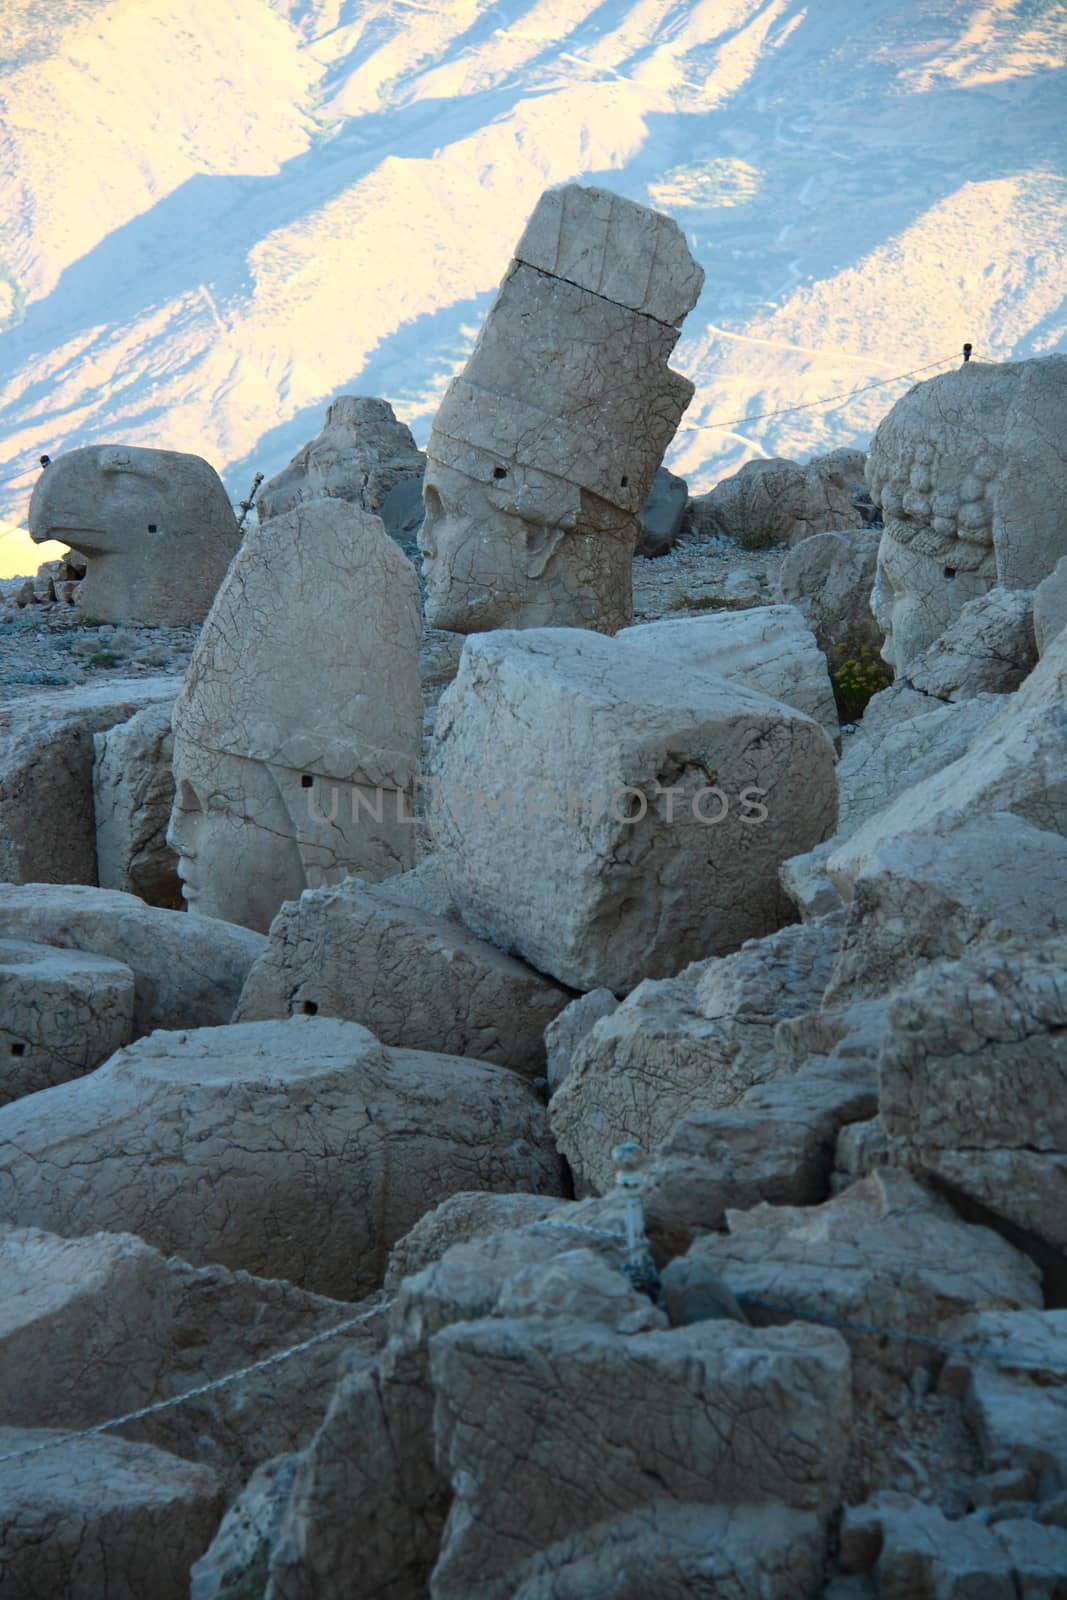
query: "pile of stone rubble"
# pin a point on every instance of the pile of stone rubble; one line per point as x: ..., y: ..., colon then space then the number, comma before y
x: 635, y: 1113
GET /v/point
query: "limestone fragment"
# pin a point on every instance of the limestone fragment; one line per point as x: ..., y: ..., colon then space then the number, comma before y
x: 188, y: 971
x: 615, y: 1411
x: 98, y: 1326
x: 688, y: 1044
x: 414, y: 978
x: 970, y: 473
x: 1050, y: 606
x: 289, y: 779
x: 663, y: 514
x: 101, y: 1517
x: 300, y: 1149
x: 769, y: 649
x: 544, y: 449
x: 62, y: 1012
x: 829, y: 577
x: 157, y: 526
x: 988, y: 648
x: 973, y: 1077
x: 47, y: 826
x: 775, y: 502
x: 566, y: 1031
x: 133, y: 793
x: 609, y: 823
x: 361, y: 454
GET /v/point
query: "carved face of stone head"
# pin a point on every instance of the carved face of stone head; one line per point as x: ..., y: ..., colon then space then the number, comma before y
x: 497, y: 558
x: 916, y: 597
x: 238, y: 857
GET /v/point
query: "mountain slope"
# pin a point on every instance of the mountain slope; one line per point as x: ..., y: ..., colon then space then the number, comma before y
x: 222, y: 216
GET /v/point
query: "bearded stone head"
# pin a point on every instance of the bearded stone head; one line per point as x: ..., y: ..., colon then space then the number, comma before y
x: 970, y: 469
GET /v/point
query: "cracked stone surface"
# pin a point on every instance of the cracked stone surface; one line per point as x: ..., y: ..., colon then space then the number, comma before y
x: 47, y: 828
x: 156, y: 525
x: 932, y: 895
x: 973, y: 1080
x: 300, y: 1149
x: 188, y: 970
x: 547, y: 1428
x: 769, y: 649
x: 414, y: 978
x: 688, y: 1044
x: 290, y: 780
x: 360, y: 455
x: 458, y: 1220
x: 133, y: 793
x: 1050, y: 606
x: 970, y: 470
x: 95, y: 1327
x: 829, y: 578
x: 607, y: 823
x: 1017, y: 1399
x: 913, y: 1549
x: 775, y: 502
x: 566, y: 1031
x: 534, y: 496
x: 1016, y: 763
x: 101, y: 1517
x: 988, y: 649
x: 884, y: 1252
x: 62, y: 1012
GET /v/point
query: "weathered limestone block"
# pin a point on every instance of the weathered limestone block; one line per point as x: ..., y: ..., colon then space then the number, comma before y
x: 47, y: 830
x: 829, y: 577
x: 609, y: 823
x: 850, y: 463
x: 300, y: 1149
x: 775, y: 502
x: 675, y: 1551
x: 878, y: 764
x: 973, y: 1079
x: 912, y: 1548
x: 615, y: 1411
x: 1050, y: 606
x: 969, y: 470
x: 237, y: 1558
x: 95, y: 1327
x: 566, y: 1031
x: 101, y: 1517
x: 883, y: 1252
x: 157, y: 526
x: 679, y: 1045
x: 777, y: 1144
x: 133, y: 792
x: 415, y: 979
x: 544, y: 449
x: 929, y: 896
x: 61, y: 1013
x: 361, y: 453
x: 457, y: 1220
x: 188, y: 971
x: 288, y: 779
x: 769, y: 649
x: 663, y: 513
x: 1017, y: 763
x: 989, y: 648
x: 1017, y: 1398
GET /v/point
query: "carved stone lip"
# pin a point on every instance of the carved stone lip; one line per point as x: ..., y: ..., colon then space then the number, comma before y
x: 50, y: 529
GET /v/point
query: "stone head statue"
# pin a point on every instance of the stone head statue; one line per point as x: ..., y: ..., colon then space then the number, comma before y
x: 156, y: 525
x: 544, y: 449
x: 361, y: 454
x: 298, y: 727
x: 970, y: 469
